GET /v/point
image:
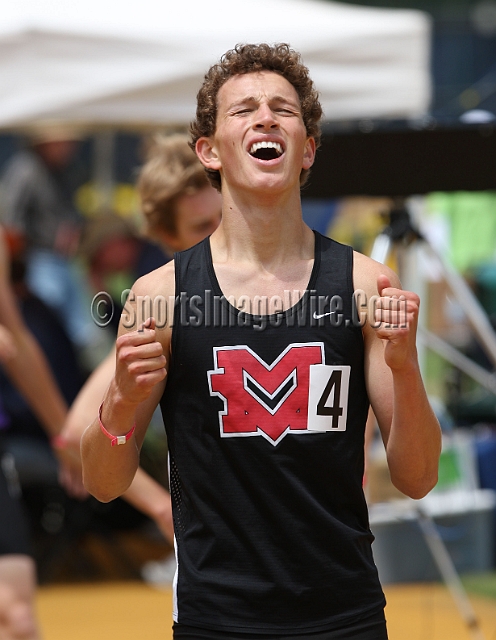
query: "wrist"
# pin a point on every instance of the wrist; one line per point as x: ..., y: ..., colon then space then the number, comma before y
x: 115, y: 439
x: 119, y: 401
x: 59, y: 442
x: 406, y: 371
x: 409, y: 367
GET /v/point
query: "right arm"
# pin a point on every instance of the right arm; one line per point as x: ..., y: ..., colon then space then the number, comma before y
x: 142, y: 354
x: 145, y: 493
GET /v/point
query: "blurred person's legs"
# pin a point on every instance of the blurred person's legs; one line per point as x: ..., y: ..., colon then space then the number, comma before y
x: 35, y: 462
x: 17, y: 598
x: 17, y: 567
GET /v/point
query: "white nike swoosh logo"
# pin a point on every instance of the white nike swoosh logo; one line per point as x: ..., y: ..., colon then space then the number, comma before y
x: 322, y: 315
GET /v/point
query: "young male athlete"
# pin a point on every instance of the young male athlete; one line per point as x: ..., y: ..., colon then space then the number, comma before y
x: 264, y: 379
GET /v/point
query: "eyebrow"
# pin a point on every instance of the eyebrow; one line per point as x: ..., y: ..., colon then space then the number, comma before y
x: 276, y: 98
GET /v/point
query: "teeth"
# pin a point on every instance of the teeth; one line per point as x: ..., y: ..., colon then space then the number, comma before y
x: 266, y: 145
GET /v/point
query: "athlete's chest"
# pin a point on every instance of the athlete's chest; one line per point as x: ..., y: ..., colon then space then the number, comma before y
x: 248, y: 286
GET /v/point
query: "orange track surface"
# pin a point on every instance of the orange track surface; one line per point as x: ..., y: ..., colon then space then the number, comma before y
x: 135, y: 611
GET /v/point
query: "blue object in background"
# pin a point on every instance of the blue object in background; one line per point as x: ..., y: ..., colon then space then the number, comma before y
x: 486, y: 460
x: 9, y: 144
x: 485, y: 447
x: 318, y: 214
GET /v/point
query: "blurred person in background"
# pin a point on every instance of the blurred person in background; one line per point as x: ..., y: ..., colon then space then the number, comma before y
x: 25, y: 364
x: 38, y: 214
x: 180, y: 208
x: 116, y: 254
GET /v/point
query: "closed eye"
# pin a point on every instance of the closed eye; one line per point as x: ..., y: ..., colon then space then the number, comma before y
x: 285, y: 111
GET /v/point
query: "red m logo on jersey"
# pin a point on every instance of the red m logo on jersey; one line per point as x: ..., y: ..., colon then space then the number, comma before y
x: 263, y: 399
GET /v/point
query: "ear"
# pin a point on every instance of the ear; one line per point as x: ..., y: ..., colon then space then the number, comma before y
x: 207, y: 154
x: 309, y: 153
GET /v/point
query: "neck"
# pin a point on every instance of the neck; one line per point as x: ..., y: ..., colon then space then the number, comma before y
x: 267, y: 230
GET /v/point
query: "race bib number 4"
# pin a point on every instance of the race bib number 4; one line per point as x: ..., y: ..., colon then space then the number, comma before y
x: 328, y: 397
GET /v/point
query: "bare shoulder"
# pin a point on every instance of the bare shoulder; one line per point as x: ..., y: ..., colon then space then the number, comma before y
x: 151, y: 296
x: 161, y: 281
x: 366, y: 271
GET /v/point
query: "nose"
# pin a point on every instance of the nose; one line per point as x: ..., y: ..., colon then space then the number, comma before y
x: 265, y: 118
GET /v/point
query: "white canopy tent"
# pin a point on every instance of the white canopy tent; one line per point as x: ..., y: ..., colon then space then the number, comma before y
x: 127, y: 63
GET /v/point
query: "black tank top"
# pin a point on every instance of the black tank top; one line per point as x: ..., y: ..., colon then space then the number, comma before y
x: 270, y: 520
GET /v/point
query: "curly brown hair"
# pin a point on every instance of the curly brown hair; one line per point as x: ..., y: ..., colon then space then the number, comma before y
x: 252, y: 58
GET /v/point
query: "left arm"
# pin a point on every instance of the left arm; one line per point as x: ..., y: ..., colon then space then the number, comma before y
x: 409, y: 428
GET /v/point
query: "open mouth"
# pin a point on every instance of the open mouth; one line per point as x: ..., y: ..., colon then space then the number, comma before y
x: 266, y: 150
